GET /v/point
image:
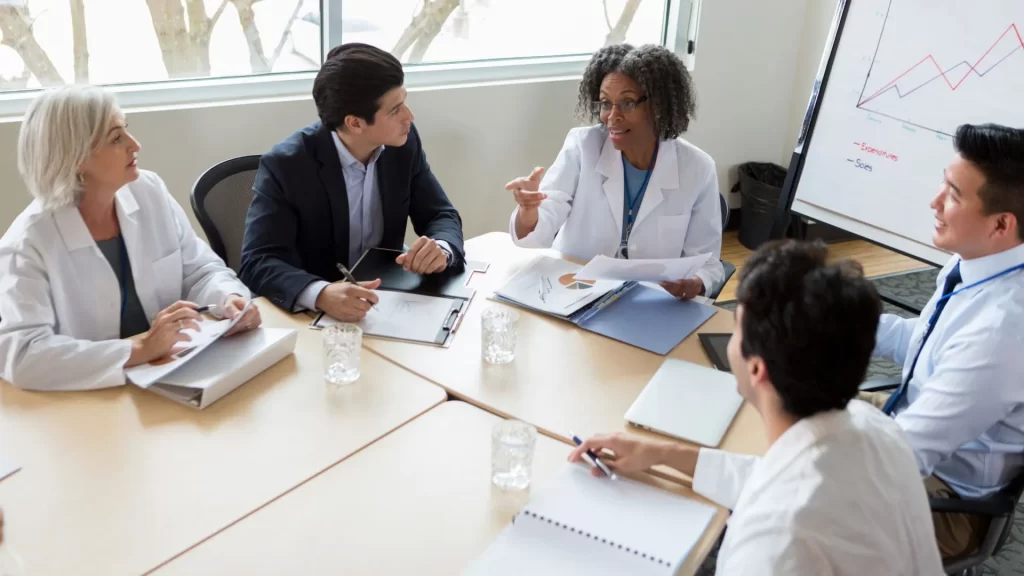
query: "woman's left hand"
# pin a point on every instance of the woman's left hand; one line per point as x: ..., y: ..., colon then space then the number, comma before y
x: 233, y: 307
x: 685, y: 289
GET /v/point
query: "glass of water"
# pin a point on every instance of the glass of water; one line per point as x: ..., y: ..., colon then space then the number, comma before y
x: 498, y: 333
x: 512, y: 444
x: 342, y: 344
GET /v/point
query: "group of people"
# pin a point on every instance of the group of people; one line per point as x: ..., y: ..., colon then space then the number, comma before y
x: 103, y: 271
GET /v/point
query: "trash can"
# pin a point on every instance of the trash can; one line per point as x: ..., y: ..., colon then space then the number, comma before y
x: 760, y: 186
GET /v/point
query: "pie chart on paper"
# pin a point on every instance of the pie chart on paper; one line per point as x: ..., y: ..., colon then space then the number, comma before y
x: 571, y: 283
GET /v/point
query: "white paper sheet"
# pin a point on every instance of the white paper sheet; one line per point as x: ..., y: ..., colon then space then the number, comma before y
x: 665, y: 270
x: 402, y: 315
x: 209, y: 331
x: 551, y: 285
x: 7, y: 467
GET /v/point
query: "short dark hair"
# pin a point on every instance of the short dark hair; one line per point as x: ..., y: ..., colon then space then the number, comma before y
x: 998, y: 151
x: 811, y: 322
x: 659, y: 72
x: 351, y: 81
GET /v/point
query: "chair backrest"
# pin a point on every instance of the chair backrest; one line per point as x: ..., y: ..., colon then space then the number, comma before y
x: 725, y: 211
x: 220, y: 200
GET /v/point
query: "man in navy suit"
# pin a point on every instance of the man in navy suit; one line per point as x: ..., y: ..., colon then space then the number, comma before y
x: 345, y: 184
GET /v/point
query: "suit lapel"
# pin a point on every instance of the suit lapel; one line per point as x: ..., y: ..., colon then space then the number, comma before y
x: 391, y: 202
x: 609, y: 165
x: 333, y: 183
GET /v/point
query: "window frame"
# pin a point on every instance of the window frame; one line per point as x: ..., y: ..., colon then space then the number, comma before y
x: 681, y: 24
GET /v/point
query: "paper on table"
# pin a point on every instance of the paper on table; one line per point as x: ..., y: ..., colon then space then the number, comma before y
x: 554, y: 286
x: 664, y: 270
x: 7, y: 467
x: 402, y: 315
x: 209, y: 331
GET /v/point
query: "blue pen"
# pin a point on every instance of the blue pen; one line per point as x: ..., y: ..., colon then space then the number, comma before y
x: 595, y: 460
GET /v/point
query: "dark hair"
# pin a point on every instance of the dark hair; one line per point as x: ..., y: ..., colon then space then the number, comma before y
x: 351, y: 80
x: 998, y: 151
x: 811, y: 322
x: 661, y: 75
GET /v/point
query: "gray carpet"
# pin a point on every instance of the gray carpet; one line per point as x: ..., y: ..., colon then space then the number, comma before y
x: 915, y: 288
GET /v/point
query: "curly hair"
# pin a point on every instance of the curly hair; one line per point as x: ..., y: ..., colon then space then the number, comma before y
x: 661, y: 75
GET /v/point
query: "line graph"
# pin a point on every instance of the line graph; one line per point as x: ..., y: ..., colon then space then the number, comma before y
x: 943, y: 88
x: 945, y: 74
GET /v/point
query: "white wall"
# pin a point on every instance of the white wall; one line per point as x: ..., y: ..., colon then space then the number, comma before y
x: 479, y: 137
x: 816, y: 26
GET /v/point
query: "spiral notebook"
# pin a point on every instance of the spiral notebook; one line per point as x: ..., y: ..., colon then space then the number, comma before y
x: 580, y: 524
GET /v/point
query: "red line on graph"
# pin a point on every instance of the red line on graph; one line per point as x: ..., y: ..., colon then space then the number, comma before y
x: 952, y: 86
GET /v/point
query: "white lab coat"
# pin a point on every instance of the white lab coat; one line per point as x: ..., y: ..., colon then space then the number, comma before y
x: 60, y: 300
x: 680, y: 214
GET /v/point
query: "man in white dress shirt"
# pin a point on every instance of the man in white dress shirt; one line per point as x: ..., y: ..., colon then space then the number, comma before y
x: 837, y: 492
x: 961, y: 403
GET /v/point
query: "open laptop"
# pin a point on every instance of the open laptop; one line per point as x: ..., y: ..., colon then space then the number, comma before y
x: 688, y: 402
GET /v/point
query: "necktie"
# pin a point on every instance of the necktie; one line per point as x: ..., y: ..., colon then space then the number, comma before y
x: 952, y: 279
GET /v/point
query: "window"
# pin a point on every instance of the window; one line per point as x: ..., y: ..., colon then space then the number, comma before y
x: 49, y: 42
x: 210, y: 49
x: 445, y: 31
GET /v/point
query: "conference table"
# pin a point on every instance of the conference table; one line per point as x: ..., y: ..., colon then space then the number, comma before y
x: 419, y: 501
x: 119, y: 481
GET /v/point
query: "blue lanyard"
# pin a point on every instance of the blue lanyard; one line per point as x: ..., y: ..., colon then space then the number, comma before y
x: 931, y: 321
x: 629, y: 208
x: 124, y: 276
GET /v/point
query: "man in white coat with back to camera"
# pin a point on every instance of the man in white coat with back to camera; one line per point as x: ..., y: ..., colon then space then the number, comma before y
x: 837, y: 492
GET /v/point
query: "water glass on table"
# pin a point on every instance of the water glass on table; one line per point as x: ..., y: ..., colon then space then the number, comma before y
x: 342, y: 345
x: 498, y: 334
x: 512, y: 445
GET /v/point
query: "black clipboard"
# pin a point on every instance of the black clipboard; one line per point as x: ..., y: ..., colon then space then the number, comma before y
x: 716, y: 346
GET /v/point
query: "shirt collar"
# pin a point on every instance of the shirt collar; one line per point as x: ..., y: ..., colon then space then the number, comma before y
x: 801, y: 436
x: 978, y: 269
x: 347, y: 159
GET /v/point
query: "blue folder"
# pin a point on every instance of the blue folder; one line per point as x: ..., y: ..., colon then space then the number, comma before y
x: 644, y: 317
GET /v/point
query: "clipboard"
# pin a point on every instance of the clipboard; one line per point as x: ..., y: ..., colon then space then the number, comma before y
x: 445, y: 297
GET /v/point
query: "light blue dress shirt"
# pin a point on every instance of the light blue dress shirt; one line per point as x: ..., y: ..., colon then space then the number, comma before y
x: 365, y: 214
x: 964, y: 409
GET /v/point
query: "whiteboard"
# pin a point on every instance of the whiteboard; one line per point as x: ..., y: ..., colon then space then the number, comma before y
x: 904, y: 75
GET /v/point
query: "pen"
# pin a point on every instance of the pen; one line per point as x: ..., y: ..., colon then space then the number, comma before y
x: 205, y: 309
x: 595, y: 460
x: 349, y: 277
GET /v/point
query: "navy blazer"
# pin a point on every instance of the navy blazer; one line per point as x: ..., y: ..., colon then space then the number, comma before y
x: 297, y: 228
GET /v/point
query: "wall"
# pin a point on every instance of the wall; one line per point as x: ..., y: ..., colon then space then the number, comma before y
x: 477, y: 138
x: 816, y: 26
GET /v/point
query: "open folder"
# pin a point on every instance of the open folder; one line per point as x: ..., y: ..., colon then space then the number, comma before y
x: 630, y: 312
x: 584, y: 525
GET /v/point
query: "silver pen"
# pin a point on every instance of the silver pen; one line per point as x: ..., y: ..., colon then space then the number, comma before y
x: 350, y: 278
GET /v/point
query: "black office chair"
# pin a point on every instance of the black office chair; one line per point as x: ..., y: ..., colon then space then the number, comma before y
x: 999, y: 508
x: 220, y: 200
x: 730, y: 269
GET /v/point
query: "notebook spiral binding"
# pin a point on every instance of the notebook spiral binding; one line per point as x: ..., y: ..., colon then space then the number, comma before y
x: 596, y: 538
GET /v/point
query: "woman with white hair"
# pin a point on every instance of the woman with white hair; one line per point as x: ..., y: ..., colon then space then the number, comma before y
x: 103, y: 270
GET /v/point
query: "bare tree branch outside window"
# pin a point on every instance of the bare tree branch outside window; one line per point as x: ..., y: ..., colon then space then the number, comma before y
x: 16, y: 26
x: 79, y: 41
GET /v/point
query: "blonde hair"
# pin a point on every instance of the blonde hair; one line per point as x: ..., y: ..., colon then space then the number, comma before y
x: 60, y: 131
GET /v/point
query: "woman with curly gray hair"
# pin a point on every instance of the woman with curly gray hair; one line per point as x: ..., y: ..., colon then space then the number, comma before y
x: 629, y: 186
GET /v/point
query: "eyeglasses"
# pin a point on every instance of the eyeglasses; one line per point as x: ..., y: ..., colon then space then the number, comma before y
x: 625, y: 106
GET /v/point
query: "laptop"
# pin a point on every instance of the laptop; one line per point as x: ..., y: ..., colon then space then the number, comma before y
x: 688, y: 402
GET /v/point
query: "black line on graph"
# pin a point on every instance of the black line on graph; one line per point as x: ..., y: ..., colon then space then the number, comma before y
x: 875, y: 56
